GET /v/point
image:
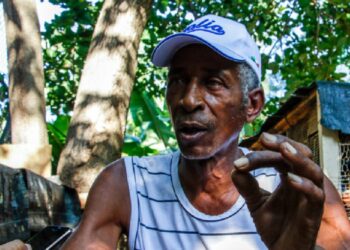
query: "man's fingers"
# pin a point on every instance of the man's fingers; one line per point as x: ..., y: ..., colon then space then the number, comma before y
x: 301, y: 172
x: 302, y: 165
x: 273, y: 142
x: 259, y: 159
x: 313, y: 193
x: 249, y: 188
x: 288, y: 159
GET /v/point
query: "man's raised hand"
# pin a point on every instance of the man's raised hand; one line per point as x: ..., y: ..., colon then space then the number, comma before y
x: 288, y: 218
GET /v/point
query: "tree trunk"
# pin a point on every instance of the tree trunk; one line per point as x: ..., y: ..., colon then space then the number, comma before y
x: 26, y: 91
x: 96, y: 132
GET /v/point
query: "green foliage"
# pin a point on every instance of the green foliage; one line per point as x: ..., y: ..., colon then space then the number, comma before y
x: 150, y: 132
x: 4, y: 103
x: 301, y: 41
x: 67, y: 39
x: 322, y: 45
x: 57, y: 132
x: 3, y: 93
x: 251, y: 129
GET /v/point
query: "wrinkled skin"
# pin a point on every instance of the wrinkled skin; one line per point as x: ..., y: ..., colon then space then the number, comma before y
x: 205, y: 102
x: 290, y: 217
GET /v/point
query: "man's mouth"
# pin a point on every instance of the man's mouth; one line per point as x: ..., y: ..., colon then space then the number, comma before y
x: 191, y: 130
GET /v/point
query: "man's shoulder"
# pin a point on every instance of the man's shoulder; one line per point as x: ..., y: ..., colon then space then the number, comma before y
x: 113, y: 170
x: 156, y: 157
x: 152, y: 163
x: 110, y: 189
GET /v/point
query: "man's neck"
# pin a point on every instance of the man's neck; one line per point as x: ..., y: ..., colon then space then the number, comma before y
x: 207, y: 183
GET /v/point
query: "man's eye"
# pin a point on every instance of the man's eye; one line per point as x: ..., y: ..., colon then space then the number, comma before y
x: 214, y: 83
x: 176, y: 80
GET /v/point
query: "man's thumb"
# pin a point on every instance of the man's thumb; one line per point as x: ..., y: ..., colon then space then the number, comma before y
x: 15, y: 245
x: 248, y: 187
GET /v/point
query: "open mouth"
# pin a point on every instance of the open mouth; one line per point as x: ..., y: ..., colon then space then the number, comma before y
x: 191, y: 130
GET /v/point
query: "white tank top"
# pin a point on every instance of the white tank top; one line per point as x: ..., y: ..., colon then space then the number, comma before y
x: 163, y: 218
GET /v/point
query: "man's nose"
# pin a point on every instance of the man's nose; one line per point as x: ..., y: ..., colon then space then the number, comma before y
x: 192, y: 98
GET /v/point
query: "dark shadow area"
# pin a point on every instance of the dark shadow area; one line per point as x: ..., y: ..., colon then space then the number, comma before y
x: 31, y: 203
x: 12, y: 13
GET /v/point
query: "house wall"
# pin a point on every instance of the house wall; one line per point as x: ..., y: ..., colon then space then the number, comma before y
x: 305, y: 131
x: 323, y: 142
x: 329, y: 150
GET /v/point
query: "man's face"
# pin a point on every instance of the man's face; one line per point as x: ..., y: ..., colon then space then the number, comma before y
x: 204, y: 98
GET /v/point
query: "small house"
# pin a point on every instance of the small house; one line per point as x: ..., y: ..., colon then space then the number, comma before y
x: 318, y: 116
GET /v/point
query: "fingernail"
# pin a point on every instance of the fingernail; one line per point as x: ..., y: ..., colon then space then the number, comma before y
x: 270, y: 138
x: 295, y: 178
x: 234, y: 169
x: 29, y: 247
x: 290, y: 148
x: 241, y: 162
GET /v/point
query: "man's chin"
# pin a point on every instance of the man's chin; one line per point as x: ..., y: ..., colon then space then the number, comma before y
x: 196, y: 154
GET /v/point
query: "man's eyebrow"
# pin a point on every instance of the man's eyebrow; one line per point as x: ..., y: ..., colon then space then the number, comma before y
x: 213, y: 71
x: 174, y: 71
x: 222, y: 72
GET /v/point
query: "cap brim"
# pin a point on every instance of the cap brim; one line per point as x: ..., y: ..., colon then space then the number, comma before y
x: 166, y: 49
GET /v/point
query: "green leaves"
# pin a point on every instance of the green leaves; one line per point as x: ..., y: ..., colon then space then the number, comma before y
x: 149, y: 128
x: 300, y: 42
x: 57, y: 132
x: 4, y: 104
x: 67, y: 40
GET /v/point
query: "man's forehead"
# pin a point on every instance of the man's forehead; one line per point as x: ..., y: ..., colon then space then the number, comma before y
x: 173, y: 70
x: 195, y: 50
x: 200, y: 56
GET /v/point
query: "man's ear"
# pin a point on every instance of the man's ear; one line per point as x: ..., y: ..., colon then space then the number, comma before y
x: 256, y: 101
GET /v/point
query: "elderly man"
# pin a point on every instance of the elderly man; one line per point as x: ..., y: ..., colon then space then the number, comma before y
x: 212, y: 194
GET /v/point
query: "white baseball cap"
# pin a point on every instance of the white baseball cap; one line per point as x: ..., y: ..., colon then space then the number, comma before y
x: 228, y: 38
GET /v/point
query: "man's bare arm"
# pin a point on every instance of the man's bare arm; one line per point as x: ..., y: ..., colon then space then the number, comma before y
x: 334, y: 232
x: 107, y: 211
